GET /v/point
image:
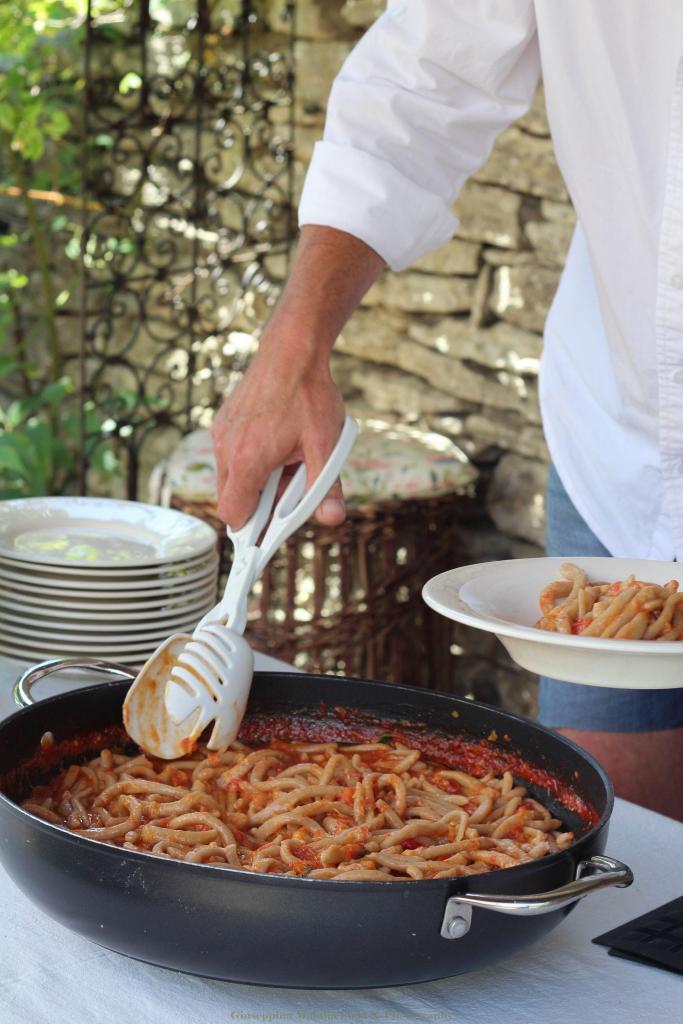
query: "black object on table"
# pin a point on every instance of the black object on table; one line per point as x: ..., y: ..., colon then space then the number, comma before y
x: 655, y: 938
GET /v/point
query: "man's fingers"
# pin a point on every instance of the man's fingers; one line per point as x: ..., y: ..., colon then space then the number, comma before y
x: 332, y: 510
x: 240, y: 494
x: 238, y: 503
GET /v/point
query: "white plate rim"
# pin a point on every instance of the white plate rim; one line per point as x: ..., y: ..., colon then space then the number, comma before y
x: 156, y: 584
x: 125, y: 639
x: 85, y: 648
x: 48, y: 626
x: 105, y: 510
x: 116, y: 617
x: 88, y: 572
x: 49, y: 593
x: 119, y: 604
x: 458, y: 610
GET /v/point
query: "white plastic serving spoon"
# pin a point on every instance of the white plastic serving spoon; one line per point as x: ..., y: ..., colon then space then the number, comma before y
x: 191, y: 681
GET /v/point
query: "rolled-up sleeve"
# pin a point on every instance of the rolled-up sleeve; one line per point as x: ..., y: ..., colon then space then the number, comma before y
x: 413, y: 113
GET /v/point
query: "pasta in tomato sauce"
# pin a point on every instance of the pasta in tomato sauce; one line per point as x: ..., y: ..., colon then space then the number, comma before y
x: 376, y: 811
x: 626, y: 610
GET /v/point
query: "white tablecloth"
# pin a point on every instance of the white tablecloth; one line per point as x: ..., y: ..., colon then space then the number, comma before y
x: 50, y: 976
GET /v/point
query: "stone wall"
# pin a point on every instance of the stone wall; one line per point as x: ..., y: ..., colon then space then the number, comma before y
x: 453, y: 343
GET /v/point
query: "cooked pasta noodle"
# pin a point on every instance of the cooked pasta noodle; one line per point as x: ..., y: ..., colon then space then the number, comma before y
x: 374, y: 811
x: 627, y: 610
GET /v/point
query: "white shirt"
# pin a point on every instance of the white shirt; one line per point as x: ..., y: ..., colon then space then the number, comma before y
x: 415, y: 111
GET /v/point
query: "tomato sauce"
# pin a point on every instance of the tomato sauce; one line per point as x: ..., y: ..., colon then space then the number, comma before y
x: 341, y: 725
x: 476, y: 757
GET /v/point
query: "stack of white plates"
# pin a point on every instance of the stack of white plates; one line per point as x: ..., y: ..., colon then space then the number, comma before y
x: 99, y: 577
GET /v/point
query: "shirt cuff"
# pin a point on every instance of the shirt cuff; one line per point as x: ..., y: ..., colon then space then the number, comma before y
x: 356, y: 192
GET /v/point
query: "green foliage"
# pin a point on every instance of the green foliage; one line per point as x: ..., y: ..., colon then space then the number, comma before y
x: 39, y: 92
x: 40, y: 433
x: 37, y: 43
x: 32, y: 457
x: 41, y: 419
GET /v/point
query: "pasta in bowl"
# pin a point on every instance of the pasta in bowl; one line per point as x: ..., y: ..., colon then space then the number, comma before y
x: 603, y: 621
x: 626, y: 610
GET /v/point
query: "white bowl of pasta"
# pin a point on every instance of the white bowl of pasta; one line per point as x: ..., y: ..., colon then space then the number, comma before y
x: 600, y: 621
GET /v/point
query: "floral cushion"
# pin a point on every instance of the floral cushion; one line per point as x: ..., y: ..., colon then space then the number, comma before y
x: 403, y: 462
x: 386, y: 463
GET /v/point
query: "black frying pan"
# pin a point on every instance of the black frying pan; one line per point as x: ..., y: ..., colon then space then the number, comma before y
x: 301, y: 932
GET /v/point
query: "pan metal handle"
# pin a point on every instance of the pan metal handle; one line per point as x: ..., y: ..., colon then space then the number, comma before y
x: 22, y: 688
x: 599, y: 872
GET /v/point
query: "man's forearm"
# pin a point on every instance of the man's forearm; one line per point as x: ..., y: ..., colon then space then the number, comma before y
x: 331, y: 273
x: 287, y: 408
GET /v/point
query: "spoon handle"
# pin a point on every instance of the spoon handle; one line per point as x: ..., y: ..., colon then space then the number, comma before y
x: 297, y: 504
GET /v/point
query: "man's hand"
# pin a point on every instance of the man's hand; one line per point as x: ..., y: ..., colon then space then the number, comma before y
x: 287, y: 409
x: 278, y: 415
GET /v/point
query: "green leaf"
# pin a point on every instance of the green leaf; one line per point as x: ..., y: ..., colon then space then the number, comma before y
x: 7, y: 365
x: 14, y: 414
x: 8, y: 119
x: 58, y: 11
x: 104, y: 460
x: 32, y: 114
x: 31, y: 143
x: 42, y: 441
x: 13, y: 279
x: 130, y: 82
x: 112, y: 34
x: 17, y: 491
x: 58, y: 124
x: 10, y: 459
x: 28, y: 406
x: 24, y: 451
x: 71, y: 426
x: 53, y: 393
x: 72, y: 249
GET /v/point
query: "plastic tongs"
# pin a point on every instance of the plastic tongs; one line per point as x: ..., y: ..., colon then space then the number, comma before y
x: 191, y: 681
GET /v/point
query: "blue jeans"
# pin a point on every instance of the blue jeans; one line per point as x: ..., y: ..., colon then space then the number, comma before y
x: 600, y: 708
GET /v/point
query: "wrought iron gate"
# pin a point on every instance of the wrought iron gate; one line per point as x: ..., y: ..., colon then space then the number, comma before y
x: 187, y: 212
